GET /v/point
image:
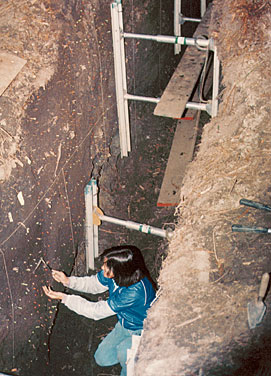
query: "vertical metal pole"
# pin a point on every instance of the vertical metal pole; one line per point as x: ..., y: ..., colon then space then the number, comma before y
x: 202, y: 7
x: 120, y: 78
x: 91, y: 230
x: 215, y: 84
x: 124, y: 81
x: 95, y: 227
x: 89, y: 227
x: 177, y: 25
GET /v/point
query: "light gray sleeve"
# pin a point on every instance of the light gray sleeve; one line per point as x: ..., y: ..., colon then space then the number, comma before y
x: 93, y: 310
x: 89, y: 284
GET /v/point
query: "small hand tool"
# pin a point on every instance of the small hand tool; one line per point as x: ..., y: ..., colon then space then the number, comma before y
x: 45, y: 264
x: 256, y: 309
x: 256, y: 205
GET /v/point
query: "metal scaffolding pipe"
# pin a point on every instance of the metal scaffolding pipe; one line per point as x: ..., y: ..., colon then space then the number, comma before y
x: 135, y: 226
x: 184, y: 19
x: 122, y: 97
x: 91, y: 230
x: 141, y: 98
x: 171, y: 39
x: 177, y: 25
x: 120, y: 78
x: 202, y: 7
x: 196, y: 106
x: 216, y: 72
x: 93, y: 219
x: 190, y: 105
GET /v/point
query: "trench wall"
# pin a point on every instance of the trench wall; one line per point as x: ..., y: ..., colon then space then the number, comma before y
x: 60, y: 117
x: 199, y: 324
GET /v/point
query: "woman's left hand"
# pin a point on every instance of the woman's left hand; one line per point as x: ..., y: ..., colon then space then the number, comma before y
x: 53, y: 294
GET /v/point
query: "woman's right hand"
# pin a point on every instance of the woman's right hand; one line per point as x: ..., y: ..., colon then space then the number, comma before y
x: 53, y: 294
x: 60, y: 277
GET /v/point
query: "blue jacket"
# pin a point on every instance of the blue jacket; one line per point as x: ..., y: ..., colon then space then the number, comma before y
x: 130, y: 303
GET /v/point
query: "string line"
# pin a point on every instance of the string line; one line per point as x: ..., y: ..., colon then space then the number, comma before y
x: 12, y: 308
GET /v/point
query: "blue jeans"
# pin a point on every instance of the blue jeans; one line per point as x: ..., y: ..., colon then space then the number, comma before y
x: 113, y: 349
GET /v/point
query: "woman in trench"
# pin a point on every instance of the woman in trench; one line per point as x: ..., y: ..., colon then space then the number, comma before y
x: 131, y: 293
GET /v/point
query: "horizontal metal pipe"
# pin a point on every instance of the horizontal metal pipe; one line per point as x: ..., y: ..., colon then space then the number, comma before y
x: 189, y: 19
x: 170, y: 39
x: 157, y: 38
x: 196, y: 106
x: 135, y: 226
x: 141, y: 98
x: 191, y: 105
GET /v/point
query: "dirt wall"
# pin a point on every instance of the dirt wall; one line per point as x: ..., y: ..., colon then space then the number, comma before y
x: 199, y: 326
x: 59, y: 128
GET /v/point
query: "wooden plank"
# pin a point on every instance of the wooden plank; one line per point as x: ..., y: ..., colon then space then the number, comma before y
x: 10, y: 66
x: 180, y: 87
x: 181, y: 154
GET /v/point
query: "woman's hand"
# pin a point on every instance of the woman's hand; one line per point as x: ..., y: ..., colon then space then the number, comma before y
x: 53, y: 294
x: 60, y: 277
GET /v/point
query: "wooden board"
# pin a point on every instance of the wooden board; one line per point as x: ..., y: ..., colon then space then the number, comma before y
x: 180, y: 87
x: 10, y: 66
x: 181, y: 154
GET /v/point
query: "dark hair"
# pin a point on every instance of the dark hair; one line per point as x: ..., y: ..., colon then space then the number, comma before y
x: 127, y: 265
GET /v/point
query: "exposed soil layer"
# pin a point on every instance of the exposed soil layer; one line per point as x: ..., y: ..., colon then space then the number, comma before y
x: 128, y: 191
x: 65, y: 132
x: 211, y: 272
x: 59, y: 128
